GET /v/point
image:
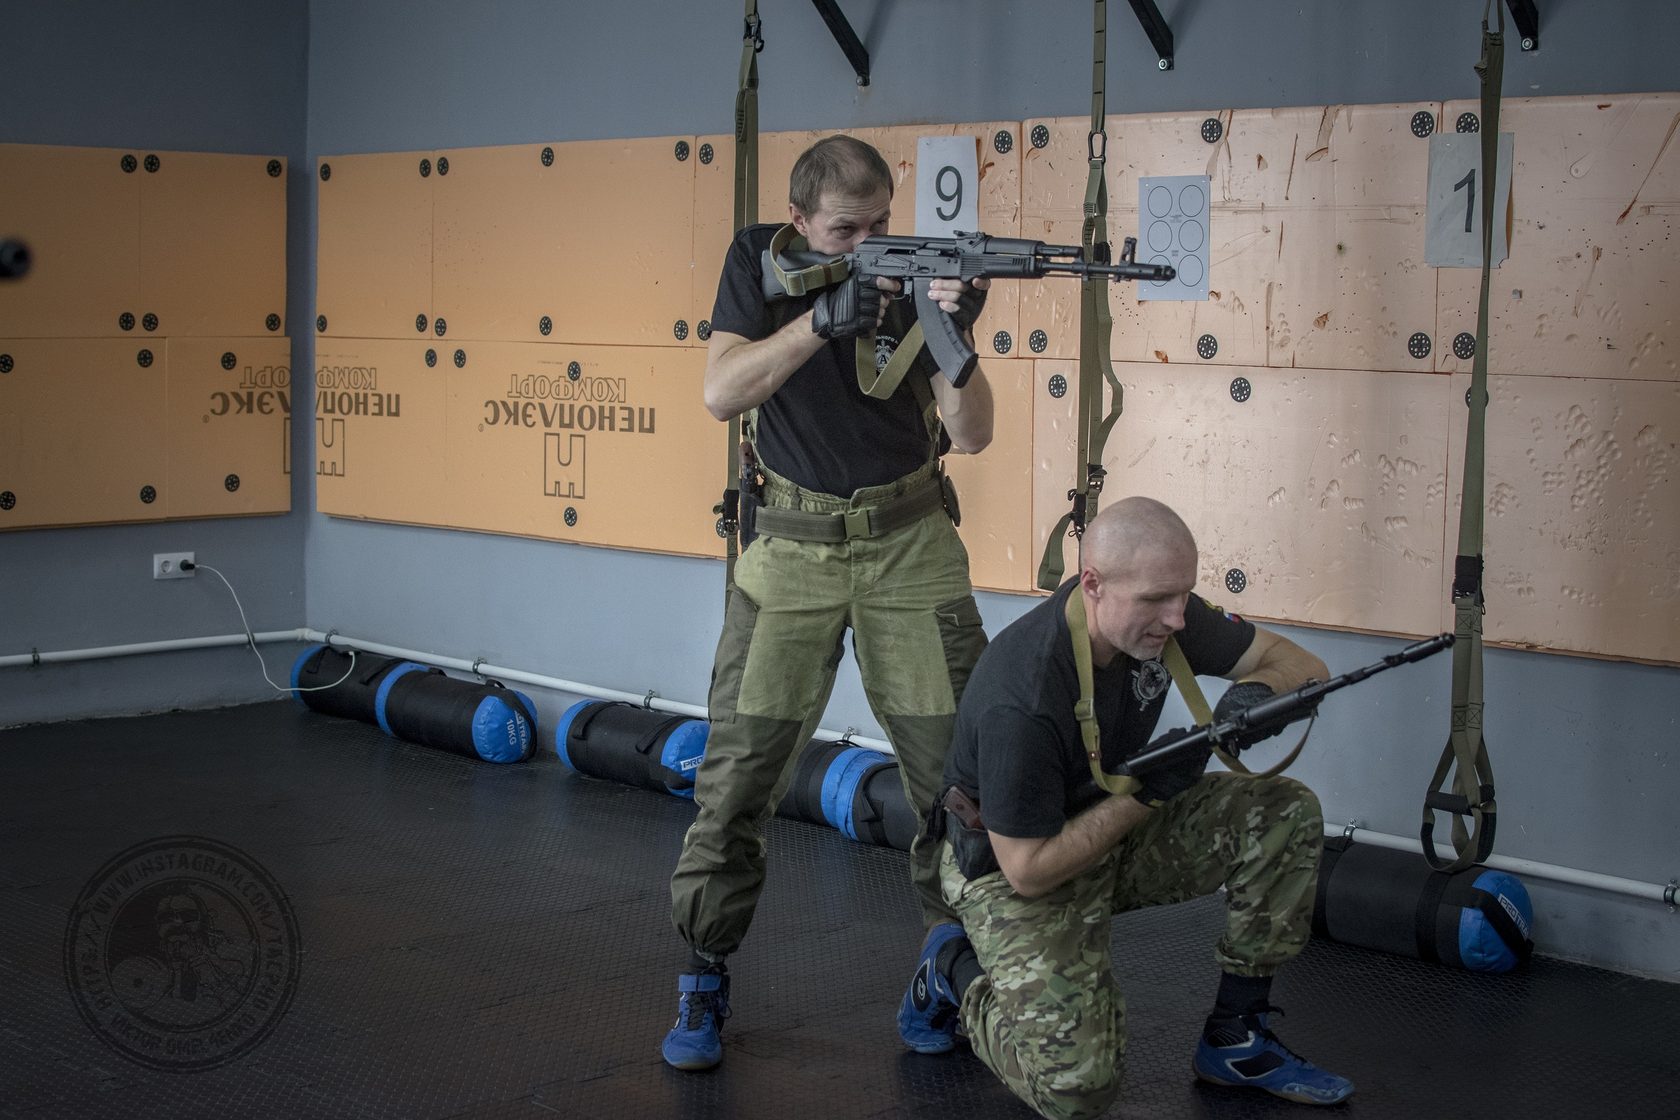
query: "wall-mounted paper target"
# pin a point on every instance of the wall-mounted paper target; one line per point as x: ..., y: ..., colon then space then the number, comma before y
x: 1173, y: 229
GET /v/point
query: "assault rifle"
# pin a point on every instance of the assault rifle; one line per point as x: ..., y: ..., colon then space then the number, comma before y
x: 967, y: 256
x: 1284, y: 708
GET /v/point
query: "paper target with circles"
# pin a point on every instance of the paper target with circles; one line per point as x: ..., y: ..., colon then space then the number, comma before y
x: 1173, y: 229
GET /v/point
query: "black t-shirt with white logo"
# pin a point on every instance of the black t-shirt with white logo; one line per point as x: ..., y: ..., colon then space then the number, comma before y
x: 1017, y: 748
x: 819, y: 430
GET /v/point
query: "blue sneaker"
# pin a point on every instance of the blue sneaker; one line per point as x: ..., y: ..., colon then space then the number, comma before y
x: 927, y: 1016
x: 694, y: 1043
x: 1244, y: 1052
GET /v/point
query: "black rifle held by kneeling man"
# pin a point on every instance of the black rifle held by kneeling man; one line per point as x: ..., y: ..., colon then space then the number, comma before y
x: 1274, y: 711
x: 967, y: 256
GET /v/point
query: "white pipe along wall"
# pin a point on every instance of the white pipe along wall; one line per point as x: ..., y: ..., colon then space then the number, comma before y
x: 1654, y: 892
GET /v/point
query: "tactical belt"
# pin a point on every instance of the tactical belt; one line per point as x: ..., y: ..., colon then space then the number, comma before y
x: 854, y: 524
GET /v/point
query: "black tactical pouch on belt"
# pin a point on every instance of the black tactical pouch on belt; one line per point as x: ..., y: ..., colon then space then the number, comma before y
x: 948, y: 494
x: 967, y: 833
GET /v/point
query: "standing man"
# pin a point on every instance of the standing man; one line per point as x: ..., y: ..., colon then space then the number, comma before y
x: 1040, y: 856
x: 854, y: 530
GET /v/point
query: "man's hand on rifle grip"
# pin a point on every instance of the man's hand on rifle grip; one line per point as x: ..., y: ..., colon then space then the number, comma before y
x: 963, y: 302
x: 1166, y: 782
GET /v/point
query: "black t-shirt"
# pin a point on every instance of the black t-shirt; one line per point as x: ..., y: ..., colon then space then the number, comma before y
x: 819, y: 430
x: 1017, y: 748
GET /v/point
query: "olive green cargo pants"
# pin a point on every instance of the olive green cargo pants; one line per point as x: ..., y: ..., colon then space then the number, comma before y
x: 916, y: 632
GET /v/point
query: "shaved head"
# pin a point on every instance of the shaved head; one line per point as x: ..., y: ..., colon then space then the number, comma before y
x: 1119, y: 532
x: 1137, y: 573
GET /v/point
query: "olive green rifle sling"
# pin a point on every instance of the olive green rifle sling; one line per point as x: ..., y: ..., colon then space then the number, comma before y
x: 1096, y: 324
x: 1466, y: 745
x: 746, y: 214
x: 880, y: 383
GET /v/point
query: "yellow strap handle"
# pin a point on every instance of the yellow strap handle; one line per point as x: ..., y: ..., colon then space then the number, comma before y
x: 1466, y: 747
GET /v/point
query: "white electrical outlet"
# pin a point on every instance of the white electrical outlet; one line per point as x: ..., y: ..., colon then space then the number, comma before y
x: 167, y: 565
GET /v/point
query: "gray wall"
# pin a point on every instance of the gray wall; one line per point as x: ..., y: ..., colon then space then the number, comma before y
x: 1581, y: 746
x: 190, y: 75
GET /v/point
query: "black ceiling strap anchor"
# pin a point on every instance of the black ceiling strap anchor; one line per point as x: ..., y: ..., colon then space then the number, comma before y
x: 846, y: 37
x: 1527, y: 19
x: 1160, y: 35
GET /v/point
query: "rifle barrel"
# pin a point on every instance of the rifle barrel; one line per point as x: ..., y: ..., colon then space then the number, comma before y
x: 1162, y: 272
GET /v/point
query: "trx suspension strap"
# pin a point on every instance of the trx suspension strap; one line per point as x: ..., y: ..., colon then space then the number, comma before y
x: 1095, y: 325
x: 746, y: 122
x: 746, y: 214
x: 1085, y: 710
x: 1465, y: 746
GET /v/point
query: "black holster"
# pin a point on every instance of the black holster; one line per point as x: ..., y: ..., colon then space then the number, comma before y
x: 752, y: 494
x: 966, y: 831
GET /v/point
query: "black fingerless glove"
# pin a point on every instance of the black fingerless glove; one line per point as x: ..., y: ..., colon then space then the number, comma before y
x: 846, y: 310
x: 1165, y: 783
x: 1242, y: 695
x: 969, y: 305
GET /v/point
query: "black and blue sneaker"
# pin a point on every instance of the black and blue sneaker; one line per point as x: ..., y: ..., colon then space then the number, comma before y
x: 694, y: 1043
x: 1242, y: 1051
x: 927, y: 1016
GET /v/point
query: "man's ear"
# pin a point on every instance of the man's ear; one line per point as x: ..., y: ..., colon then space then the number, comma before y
x: 800, y: 222
x: 1091, y: 582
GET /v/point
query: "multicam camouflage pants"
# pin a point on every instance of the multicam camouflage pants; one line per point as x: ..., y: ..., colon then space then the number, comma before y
x: 917, y: 633
x: 1048, y: 1017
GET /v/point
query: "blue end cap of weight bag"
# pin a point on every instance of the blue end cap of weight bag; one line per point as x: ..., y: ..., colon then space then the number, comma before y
x: 500, y: 730
x: 297, y: 672
x: 684, y: 750
x: 565, y: 726
x: 840, y: 784
x: 1480, y: 946
x: 398, y: 671
x: 529, y: 707
x: 530, y: 713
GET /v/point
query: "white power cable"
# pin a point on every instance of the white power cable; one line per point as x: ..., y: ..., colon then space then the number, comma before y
x: 251, y: 639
